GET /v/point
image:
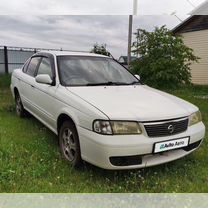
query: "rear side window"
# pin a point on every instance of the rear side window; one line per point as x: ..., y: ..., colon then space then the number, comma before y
x: 31, y: 70
x: 24, y: 69
x: 45, y: 67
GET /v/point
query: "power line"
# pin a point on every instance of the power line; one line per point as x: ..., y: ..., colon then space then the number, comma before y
x: 175, y: 15
x: 191, y: 3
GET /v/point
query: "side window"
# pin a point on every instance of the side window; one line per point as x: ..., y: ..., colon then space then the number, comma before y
x: 24, y: 69
x: 33, y: 66
x: 45, y: 67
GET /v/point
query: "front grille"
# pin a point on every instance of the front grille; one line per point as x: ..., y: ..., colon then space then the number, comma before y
x: 166, y: 128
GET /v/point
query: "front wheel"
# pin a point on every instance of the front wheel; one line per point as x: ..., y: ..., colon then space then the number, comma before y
x: 69, y: 143
x: 21, y: 112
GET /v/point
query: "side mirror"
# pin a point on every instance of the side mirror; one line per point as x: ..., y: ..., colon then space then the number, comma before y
x: 43, y: 79
x: 137, y: 76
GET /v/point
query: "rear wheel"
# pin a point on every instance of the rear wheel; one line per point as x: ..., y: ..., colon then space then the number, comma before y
x: 21, y: 112
x: 69, y: 143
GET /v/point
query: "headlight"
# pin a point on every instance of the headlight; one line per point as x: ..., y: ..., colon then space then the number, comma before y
x: 116, y: 127
x: 195, y: 118
x: 102, y: 127
x: 127, y: 127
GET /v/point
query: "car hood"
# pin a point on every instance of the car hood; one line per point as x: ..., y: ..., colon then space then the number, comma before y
x: 135, y: 102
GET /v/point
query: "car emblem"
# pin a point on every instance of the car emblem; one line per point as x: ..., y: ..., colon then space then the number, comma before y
x: 171, y: 128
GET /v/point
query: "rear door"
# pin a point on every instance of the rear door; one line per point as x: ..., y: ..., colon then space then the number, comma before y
x: 28, y: 83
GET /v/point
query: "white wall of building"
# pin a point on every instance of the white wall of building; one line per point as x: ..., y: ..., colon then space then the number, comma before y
x: 198, y: 41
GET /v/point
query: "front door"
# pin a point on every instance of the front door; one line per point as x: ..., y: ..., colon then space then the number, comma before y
x: 45, y: 100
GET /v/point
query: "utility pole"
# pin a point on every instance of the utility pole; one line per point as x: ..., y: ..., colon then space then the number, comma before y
x: 137, y: 41
x: 135, y: 3
x: 129, y: 39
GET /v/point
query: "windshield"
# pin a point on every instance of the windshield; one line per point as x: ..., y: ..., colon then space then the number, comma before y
x: 92, y: 71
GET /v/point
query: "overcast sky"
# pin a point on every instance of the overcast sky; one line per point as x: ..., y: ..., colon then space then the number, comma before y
x: 76, y: 25
x: 93, y: 7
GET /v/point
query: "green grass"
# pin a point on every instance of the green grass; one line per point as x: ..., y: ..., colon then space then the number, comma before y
x: 30, y: 160
x: 4, y: 80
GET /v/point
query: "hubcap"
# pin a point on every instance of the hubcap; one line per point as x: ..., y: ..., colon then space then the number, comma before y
x: 68, y: 144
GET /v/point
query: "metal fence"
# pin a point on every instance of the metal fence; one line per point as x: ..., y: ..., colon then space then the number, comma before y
x: 14, y: 57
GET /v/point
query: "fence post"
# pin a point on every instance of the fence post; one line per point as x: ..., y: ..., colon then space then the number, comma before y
x: 6, y: 60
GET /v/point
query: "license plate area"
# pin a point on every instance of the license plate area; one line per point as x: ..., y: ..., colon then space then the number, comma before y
x: 171, y: 144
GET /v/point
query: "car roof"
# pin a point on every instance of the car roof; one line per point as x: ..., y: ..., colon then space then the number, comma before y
x: 71, y: 53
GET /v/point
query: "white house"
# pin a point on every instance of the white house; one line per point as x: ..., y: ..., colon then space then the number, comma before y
x: 194, y: 31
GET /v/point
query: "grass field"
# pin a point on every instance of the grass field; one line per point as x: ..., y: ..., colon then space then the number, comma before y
x: 30, y: 160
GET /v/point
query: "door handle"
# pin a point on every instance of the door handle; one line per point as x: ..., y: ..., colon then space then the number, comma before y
x: 32, y: 86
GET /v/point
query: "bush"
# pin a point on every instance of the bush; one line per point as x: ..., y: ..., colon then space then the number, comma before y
x: 100, y: 49
x: 164, y: 59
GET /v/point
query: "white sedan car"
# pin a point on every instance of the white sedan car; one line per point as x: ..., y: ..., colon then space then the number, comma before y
x: 102, y: 113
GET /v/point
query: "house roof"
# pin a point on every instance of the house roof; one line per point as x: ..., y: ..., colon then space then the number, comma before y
x: 202, y: 9
x: 198, y: 12
x: 182, y: 24
x: 126, y: 58
x: 191, y: 24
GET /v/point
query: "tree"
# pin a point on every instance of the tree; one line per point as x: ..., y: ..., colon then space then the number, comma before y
x: 100, y: 49
x: 164, y: 59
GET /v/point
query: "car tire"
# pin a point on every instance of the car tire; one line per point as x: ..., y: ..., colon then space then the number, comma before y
x: 20, y: 111
x: 69, y: 143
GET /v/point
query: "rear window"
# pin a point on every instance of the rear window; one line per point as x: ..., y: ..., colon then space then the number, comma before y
x: 24, y: 69
x: 31, y: 70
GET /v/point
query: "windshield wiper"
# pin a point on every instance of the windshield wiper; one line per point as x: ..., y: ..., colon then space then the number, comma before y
x: 133, y: 83
x: 106, y: 84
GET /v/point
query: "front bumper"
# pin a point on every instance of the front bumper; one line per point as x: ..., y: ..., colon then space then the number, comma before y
x: 98, y: 149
